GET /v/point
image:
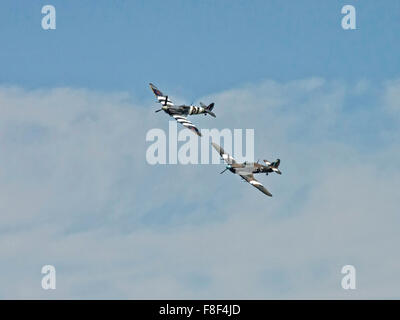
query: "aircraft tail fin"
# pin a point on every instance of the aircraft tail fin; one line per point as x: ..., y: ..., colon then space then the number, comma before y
x: 210, y: 106
x: 274, y: 165
x: 208, y: 109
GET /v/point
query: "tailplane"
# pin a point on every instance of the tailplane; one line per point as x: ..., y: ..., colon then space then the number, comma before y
x: 208, y: 109
x: 274, y: 165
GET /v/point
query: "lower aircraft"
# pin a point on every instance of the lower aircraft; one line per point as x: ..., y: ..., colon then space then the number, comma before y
x: 247, y: 169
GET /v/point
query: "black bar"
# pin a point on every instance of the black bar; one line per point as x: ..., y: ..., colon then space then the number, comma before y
x: 201, y: 309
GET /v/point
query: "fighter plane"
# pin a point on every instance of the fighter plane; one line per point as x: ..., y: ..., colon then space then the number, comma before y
x: 179, y: 113
x: 246, y: 170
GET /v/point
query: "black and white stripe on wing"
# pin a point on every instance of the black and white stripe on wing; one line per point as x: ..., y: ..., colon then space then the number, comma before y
x: 165, y: 101
x: 161, y: 98
x: 250, y: 179
x: 185, y: 122
x: 228, y: 159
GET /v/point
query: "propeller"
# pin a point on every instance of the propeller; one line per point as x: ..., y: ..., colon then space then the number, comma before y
x: 165, y: 102
x: 227, y: 167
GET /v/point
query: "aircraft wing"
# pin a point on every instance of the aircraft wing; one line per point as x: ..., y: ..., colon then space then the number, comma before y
x: 228, y: 159
x: 161, y: 98
x: 250, y: 179
x: 186, y: 123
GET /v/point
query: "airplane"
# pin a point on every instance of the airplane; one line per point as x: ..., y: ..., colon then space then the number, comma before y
x: 246, y: 170
x: 179, y: 113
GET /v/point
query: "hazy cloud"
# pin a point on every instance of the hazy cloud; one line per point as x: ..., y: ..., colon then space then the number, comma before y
x: 392, y: 96
x: 76, y: 192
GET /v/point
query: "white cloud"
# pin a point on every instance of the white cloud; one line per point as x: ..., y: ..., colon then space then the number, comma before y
x: 75, y: 192
x: 392, y: 96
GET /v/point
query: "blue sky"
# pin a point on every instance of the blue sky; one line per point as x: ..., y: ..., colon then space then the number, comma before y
x: 195, y: 47
x: 77, y: 193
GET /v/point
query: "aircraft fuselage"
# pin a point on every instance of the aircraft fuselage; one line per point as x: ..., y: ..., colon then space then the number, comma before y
x: 184, y: 110
x: 251, y: 168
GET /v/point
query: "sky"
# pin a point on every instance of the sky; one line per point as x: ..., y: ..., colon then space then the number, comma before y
x: 76, y: 191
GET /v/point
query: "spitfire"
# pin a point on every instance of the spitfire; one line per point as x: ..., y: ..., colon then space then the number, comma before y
x: 246, y: 170
x: 179, y: 113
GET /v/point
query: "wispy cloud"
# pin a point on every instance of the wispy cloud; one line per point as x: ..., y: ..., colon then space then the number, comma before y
x: 76, y: 192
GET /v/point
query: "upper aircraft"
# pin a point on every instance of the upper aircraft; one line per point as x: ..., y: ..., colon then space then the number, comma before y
x: 179, y: 113
x: 246, y: 170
